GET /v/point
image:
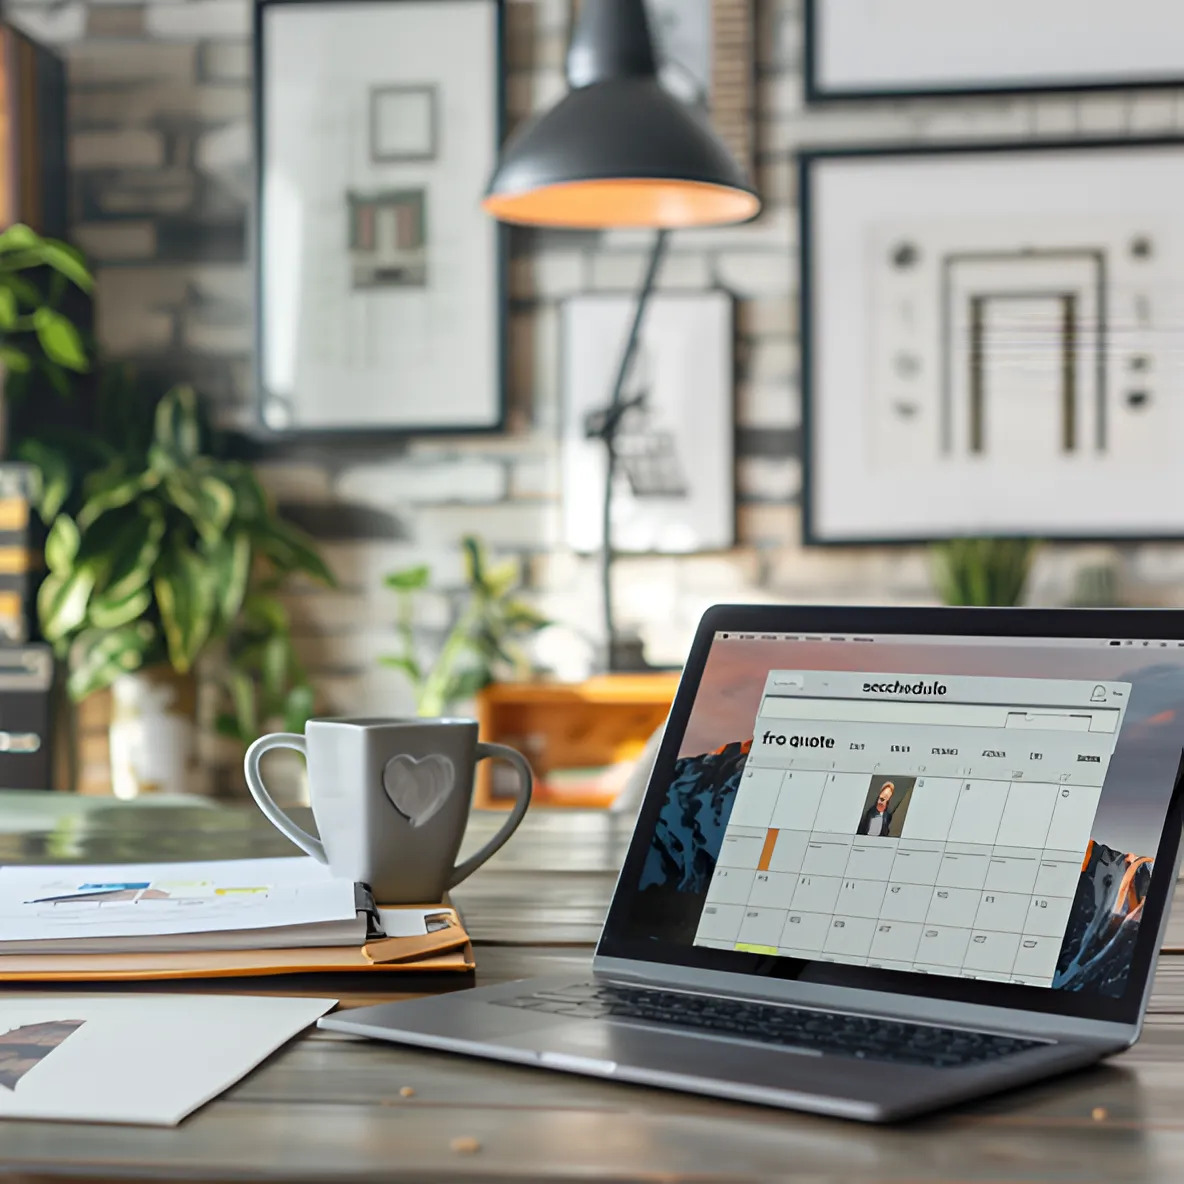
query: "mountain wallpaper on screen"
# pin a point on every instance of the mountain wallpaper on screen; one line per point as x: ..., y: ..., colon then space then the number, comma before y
x: 1104, y: 922
x: 690, y: 827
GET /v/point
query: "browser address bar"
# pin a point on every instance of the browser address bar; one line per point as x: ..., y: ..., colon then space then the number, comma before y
x: 955, y: 715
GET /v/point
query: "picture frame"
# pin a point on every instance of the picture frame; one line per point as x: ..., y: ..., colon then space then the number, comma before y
x: 892, y: 49
x: 675, y: 481
x: 707, y: 56
x: 995, y: 343
x: 380, y: 282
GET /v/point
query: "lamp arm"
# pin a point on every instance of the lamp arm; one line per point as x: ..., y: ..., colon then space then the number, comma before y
x: 612, y: 424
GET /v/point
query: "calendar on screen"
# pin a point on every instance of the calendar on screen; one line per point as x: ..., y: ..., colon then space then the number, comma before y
x: 914, y: 822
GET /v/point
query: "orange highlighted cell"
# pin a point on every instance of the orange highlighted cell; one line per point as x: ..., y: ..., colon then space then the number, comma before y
x: 767, y: 850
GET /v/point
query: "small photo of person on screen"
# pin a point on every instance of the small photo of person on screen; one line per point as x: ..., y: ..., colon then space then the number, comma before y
x: 885, y: 807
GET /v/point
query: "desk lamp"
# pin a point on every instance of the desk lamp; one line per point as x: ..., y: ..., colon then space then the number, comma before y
x: 618, y: 151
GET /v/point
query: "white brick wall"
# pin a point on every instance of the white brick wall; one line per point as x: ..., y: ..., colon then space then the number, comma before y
x: 160, y: 142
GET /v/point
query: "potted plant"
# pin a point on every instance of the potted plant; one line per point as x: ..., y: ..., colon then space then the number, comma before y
x: 982, y: 571
x: 485, y: 635
x: 156, y: 549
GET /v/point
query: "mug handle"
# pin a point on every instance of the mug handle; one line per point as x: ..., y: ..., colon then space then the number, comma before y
x: 525, y: 784
x: 263, y: 799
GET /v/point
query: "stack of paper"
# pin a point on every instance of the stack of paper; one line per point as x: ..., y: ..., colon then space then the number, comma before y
x: 228, y: 905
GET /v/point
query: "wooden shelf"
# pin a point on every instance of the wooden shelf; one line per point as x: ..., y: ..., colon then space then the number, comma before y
x: 567, y: 727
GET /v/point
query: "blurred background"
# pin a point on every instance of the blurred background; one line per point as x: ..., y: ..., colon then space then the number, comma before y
x: 316, y: 437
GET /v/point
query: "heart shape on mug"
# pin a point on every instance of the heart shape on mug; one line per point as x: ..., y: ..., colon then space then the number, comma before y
x: 418, y: 788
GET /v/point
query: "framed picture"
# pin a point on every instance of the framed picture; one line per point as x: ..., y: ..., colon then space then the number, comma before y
x: 675, y: 483
x: 380, y: 282
x: 864, y: 49
x: 993, y: 341
x: 706, y: 52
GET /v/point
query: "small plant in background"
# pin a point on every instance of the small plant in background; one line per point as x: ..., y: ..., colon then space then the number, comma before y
x: 34, y: 333
x: 982, y: 572
x: 156, y: 548
x: 484, y: 639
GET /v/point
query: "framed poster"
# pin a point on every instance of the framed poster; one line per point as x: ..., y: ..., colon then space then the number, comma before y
x: 864, y: 49
x: 993, y: 341
x: 706, y: 56
x: 675, y: 482
x: 380, y: 282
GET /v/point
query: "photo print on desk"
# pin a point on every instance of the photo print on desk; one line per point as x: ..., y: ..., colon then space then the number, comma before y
x: 25, y: 1047
x: 675, y: 485
x: 993, y: 347
x: 380, y: 281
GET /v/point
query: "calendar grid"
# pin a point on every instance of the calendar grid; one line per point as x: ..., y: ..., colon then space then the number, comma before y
x: 857, y: 852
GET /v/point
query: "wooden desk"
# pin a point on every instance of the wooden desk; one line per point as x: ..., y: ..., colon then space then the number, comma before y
x: 329, y: 1107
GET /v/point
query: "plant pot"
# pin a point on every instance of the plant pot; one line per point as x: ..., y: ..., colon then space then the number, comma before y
x: 153, y: 734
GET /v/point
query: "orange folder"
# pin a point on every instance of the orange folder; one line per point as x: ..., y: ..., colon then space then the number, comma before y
x: 446, y: 949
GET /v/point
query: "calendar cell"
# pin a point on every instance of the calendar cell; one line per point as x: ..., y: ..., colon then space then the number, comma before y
x: 1027, y: 814
x: 826, y: 857
x: 978, y: 813
x: 1036, y: 958
x: 1047, y: 916
x: 761, y: 927
x: 789, y: 851
x: 871, y: 859
x: 913, y: 866
x: 720, y: 922
x: 772, y: 890
x: 842, y: 803
x: 1009, y: 873
x: 850, y: 935
x: 797, y: 801
x: 1057, y: 877
x: 1002, y: 912
x: 906, y: 902
x: 931, y: 810
x: 755, y: 797
x: 963, y: 870
x: 730, y: 885
x: 1073, y: 817
x: 804, y: 932
x: 953, y: 906
x: 816, y: 894
x: 991, y: 953
x: 895, y: 941
x: 860, y: 898
x: 741, y: 850
x: 942, y: 945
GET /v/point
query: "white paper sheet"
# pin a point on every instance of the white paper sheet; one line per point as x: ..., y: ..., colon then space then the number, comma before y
x: 135, y: 900
x: 149, y: 1059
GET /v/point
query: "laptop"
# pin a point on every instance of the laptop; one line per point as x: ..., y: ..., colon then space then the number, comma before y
x: 887, y: 860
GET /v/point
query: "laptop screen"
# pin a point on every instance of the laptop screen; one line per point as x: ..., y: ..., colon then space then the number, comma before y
x: 958, y: 807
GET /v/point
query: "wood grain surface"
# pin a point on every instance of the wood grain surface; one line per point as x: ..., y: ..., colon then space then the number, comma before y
x: 332, y: 1107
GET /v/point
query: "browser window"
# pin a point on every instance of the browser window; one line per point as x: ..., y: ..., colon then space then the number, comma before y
x: 933, y: 824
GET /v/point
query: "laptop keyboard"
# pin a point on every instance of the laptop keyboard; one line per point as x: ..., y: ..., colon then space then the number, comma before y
x: 863, y: 1037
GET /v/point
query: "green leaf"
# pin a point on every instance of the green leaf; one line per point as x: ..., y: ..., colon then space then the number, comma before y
x: 100, y: 656
x: 276, y: 664
x: 177, y: 427
x: 187, y: 601
x: 62, y: 602
x: 60, y: 340
x: 409, y: 666
x: 409, y: 579
x: 291, y: 550
x: 18, y: 237
x: 246, y: 706
x: 522, y: 617
x: 62, y: 545
x: 467, y: 683
x: 106, y: 612
x: 298, y: 707
x: 8, y: 307
x: 232, y: 558
x: 65, y: 260
x: 206, y: 501
x: 14, y: 360
x: 131, y: 548
x: 112, y: 490
x: 500, y: 579
x: 53, y: 476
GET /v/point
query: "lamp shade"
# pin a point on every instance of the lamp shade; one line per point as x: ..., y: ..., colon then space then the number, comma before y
x: 618, y: 150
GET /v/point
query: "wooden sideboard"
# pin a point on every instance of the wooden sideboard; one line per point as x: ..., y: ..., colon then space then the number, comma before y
x: 580, y: 738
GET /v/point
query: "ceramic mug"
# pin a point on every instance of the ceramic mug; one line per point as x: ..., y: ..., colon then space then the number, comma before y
x: 391, y: 798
